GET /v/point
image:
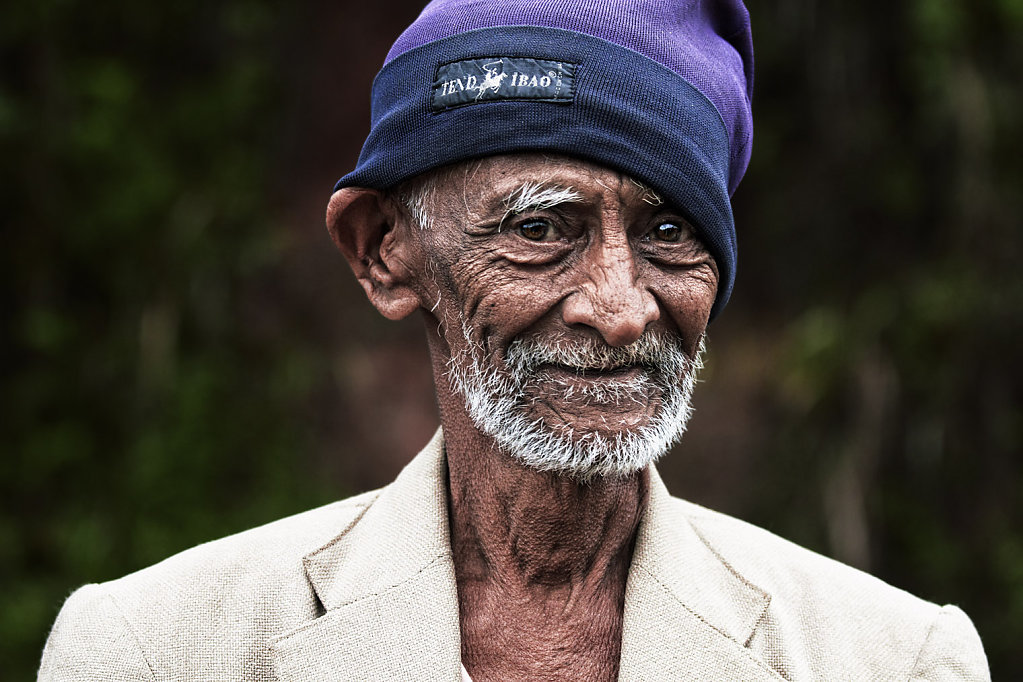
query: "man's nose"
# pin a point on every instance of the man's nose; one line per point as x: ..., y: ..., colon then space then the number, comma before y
x: 611, y: 299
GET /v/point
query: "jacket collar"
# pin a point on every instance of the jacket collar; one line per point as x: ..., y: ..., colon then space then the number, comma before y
x: 387, y: 586
x: 688, y: 613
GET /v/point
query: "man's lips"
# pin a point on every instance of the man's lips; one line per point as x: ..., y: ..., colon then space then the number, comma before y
x: 625, y: 394
x: 623, y: 373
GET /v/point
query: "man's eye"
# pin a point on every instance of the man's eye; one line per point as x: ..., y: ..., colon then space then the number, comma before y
x: 536, y: 230
x: 669, y: 232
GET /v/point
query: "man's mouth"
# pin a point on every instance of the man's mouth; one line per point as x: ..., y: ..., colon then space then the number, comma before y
x: 619, y: 373
x: 616, y: 390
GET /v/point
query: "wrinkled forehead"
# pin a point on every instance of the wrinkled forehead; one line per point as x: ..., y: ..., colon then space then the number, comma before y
x: 531, y: 179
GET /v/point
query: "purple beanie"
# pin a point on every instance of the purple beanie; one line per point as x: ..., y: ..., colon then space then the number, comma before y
x: 658, y: 89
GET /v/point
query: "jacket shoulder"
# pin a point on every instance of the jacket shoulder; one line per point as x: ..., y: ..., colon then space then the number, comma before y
x: 91, y: 640
x: 827, y: 618
x: 209, y: 609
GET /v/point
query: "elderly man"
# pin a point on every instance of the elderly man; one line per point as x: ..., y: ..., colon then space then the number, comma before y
x: 547, y: 185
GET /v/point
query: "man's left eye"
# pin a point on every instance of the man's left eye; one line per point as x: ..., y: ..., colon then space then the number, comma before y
x: 669, y: 232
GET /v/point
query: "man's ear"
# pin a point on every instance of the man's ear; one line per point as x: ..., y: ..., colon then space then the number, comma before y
x: 364, y: 224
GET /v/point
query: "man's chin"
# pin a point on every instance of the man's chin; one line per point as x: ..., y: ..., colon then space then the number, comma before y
x: 592, y: 418
x: 586, y: 456
x: 575, y: 450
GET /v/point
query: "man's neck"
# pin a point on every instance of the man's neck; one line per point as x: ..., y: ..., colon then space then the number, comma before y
x: 535, y: 530
x: 541, y: 561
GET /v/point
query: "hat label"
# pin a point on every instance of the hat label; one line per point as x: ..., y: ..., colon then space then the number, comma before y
x: 471, y: 81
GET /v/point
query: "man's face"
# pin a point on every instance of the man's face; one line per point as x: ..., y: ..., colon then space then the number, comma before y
x: 571, y: 305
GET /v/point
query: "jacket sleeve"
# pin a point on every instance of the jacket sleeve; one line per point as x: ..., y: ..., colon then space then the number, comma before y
x: 91, y: 640
x: 952, y: 650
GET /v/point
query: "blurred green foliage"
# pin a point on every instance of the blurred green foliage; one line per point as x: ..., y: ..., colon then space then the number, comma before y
x: 144, y: 407
x: 153, y: 398
x: 883, y: 221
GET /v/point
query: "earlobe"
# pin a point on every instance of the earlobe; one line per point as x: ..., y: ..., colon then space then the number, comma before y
x: 372, y: 236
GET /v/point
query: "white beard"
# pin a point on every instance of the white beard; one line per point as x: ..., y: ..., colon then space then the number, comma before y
x: 499, y: 403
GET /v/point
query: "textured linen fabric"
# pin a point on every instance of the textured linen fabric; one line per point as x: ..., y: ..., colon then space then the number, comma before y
x: 365, y: 589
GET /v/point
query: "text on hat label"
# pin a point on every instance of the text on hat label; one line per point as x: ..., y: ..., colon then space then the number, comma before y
x: 486, y: 79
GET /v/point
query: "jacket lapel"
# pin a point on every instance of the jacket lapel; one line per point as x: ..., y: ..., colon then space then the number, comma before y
x: 387, y: 585
x: 688, y: 614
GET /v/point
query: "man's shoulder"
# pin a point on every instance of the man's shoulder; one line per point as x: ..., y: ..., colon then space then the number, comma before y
x: 834, y: 613
x: 264, y: 553
x: 783, y: 568
x: 230, y: 595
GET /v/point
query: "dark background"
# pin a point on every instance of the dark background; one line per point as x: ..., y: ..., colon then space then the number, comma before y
x: 185, y: 356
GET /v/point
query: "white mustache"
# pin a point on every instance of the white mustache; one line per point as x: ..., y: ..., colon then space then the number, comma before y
x: 656, y: 351
x: 499, y: 403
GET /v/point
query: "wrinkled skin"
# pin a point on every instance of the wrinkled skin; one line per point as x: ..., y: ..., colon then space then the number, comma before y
x: 540, y: 560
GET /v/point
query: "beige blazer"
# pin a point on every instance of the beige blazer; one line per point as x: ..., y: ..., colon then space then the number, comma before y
x: 365, y: 589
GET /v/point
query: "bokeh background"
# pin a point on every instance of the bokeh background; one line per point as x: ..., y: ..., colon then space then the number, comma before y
x: 185, y: 356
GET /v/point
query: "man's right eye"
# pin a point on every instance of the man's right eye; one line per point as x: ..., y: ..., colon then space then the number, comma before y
x: 536, y: 230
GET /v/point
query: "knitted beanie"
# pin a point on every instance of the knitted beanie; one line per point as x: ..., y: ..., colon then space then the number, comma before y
x: 657, y: 89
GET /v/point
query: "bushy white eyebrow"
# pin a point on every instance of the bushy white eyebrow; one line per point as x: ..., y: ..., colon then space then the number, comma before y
x: 649, y: 196
x: 537, y: 196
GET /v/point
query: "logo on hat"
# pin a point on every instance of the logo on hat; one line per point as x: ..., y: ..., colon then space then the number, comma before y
x: 489, y: 79
x: 492, y: 81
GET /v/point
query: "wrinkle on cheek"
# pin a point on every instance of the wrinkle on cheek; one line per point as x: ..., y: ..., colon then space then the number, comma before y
x: 473, y: 265
x: 483, y: 295
x: 505, y: 304
x: 690, y: 314
x: 462, y: 284
x: 703, y: 281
